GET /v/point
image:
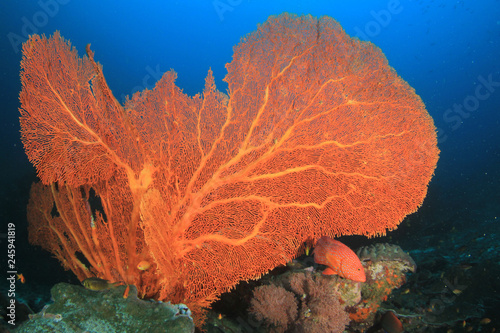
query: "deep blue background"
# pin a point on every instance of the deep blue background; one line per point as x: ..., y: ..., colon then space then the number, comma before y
x: 442, y: 48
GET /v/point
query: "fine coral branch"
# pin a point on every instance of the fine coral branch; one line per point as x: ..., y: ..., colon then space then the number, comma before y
x: 189, y: 245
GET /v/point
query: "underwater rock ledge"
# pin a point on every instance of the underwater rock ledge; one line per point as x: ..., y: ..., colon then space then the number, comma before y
x: 76, y: 309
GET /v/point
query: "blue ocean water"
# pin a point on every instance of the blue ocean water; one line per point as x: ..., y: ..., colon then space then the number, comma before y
x: 448, y: 51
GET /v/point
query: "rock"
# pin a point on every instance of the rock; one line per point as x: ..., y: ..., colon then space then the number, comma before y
x: 76, y: 309
x: 387, y: 252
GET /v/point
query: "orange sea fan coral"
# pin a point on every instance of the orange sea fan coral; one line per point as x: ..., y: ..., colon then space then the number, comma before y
x: 317, y: 136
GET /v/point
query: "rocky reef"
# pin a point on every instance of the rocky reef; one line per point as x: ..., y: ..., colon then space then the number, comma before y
x: 298, y: 298
x: 299, y: 302
x: 76, y: 309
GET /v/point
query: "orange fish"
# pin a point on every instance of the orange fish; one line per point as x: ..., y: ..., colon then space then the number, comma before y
x: 21, y: 278
x: 143, y: 265
x: 339, y: 258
